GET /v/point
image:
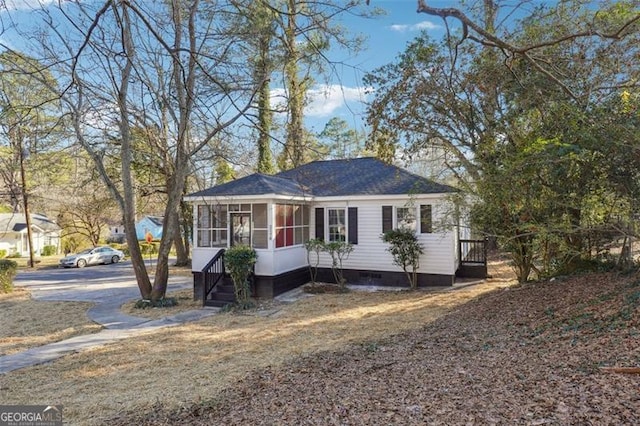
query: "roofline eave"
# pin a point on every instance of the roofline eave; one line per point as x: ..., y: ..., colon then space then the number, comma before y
x: 381, y: 197
x: 235, y: 198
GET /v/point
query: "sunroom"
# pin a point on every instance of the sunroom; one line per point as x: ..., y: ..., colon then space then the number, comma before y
x: 276, y: 225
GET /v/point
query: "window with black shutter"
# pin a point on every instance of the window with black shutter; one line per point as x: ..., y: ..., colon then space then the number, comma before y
x: 320, y: 223
x: 352, y: 227
x: 387, y: 218
x: 426, y: 223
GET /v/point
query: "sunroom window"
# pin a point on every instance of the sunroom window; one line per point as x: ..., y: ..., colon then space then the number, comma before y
x: 212, y: 226
x: 292, y: 224
x: 260, y: 228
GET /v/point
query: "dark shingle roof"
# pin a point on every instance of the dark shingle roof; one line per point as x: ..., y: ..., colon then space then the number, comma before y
x: 255, y: 184
x: 18, y: 227
x: 361, y: 176
x: 17, y: 222
x: 156, y: 220
x: 358, y: 176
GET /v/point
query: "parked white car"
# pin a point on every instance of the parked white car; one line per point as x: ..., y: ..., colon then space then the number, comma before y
x: 92, y: 256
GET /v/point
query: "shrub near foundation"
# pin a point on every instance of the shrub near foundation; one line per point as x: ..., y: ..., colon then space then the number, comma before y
x: 239, y: 261
x: 406, y: 251
x: 8, y: 269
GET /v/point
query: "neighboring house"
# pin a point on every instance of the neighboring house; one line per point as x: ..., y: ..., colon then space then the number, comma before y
x: 116, y: 233
x: 152, y: 224
x: 13, y: 233
x: 352, y: 200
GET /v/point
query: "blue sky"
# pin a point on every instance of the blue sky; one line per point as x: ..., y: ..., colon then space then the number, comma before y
x: 388, y: 36
x: 343, y: 95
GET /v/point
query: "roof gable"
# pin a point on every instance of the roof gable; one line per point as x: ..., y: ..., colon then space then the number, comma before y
x: 255, y: 184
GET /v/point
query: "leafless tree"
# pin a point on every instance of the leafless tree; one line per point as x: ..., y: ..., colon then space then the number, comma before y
x: 166, y: 66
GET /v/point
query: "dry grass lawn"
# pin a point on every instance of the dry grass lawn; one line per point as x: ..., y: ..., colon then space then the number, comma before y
x: 194, y: 362
x: 185, y: 303
x: 28, y: 323
x: 43, y: 262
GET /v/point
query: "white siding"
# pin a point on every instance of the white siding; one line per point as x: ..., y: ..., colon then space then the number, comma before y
x: 371, y: 253
x: 201, y: 256
x: 270, y: 262
x: 289, y: 259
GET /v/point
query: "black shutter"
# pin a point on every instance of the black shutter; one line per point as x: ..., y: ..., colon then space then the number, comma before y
x: 387, y: 218
x: 426, y: 226
x: 320, y: 224
x: 353, y: 225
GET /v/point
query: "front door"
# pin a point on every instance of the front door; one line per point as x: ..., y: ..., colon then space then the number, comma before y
x: 240, y: 229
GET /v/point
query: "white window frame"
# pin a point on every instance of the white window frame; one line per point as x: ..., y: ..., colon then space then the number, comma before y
x: 344, y: 225
x: 397, y: 224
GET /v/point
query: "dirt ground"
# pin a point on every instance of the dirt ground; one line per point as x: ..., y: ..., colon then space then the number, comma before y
x: 486, y: 354
x: 198, y: 361
x: 561, y: 352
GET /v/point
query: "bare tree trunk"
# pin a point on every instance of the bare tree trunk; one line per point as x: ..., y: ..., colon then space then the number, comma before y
x: 294, y: 144
x: 129, y: 212
x: 185, y: 95
x: 182, y: 259
x: 181, y: 238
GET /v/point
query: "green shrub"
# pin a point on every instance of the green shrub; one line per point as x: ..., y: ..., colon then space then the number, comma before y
x: 406, y: 251
x: 122, y: 247
x: 3, y: 253
x: 8, y: 269
x: 149, y: 248
x: 338, y: 250
x: 49, y: 250
x: 239, y: 261
x: 14, y: 255
x: 315, y: 246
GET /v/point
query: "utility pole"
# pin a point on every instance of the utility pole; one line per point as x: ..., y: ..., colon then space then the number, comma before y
x: 25, y: 202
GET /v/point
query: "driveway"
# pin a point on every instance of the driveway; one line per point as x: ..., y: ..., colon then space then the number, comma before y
x: 98, y: 284
x: 108, y: 286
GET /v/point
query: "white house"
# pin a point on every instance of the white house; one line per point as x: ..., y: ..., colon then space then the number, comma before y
x: 13, y: 233
x: 352, y: 200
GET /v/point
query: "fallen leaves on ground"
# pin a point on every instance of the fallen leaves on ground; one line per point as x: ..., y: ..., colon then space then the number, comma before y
x: 199, y: 360
x: 520, y: 355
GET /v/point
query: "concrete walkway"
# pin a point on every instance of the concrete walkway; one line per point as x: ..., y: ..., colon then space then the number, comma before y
x: 106, y: 312
x: 108, y: 297
x: 118, y: 327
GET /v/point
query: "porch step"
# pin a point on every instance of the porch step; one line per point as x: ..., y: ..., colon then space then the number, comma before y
x: 217, y: 303
x: 226, y: 288
x: 224, y: 296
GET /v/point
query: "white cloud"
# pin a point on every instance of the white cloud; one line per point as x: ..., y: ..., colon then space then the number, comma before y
x: 322, y: 100
x: 420, y: 26
x: 325, y: 100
